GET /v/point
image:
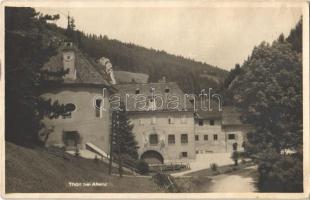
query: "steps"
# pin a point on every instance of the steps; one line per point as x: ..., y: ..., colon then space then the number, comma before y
x: 90, y: 152
x: 95, y: 149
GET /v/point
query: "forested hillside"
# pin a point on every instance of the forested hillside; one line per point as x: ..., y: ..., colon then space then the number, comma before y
x: 191, y: 75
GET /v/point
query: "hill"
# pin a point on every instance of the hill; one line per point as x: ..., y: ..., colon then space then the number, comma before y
x: 133, y: 58
x: 50, y: 170
x: 191, y: 75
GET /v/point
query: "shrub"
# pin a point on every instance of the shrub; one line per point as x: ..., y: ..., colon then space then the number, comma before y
x: 229, y: 170
x: 214, y: 167
x: 166, y: 181
x: 142, y: 167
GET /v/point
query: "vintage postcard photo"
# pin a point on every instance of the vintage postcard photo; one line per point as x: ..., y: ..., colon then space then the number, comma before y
x: 155, y: 99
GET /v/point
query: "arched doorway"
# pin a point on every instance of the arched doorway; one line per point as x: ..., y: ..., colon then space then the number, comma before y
x: 152, y: 157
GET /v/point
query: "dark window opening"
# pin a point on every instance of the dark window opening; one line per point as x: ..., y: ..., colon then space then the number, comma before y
x: 167, y: 90
x: 137, y: 91
x: 71, y: 139
x: 231, y: 136
x: 184, y: 154
x: 171, y: 139
x: 215, y: 136
x: 153, y: 139
x: 200, y: 122
x: 98, y: 107
x: 184, y: 139
x: 205, y: 137
x: 196, y: 137
x: 211, y: 122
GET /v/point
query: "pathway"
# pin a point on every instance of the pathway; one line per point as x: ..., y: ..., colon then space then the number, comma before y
x: 203, y: 161
x: 237, y: 182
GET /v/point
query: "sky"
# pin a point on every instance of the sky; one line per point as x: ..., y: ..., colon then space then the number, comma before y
x: 218, y: 36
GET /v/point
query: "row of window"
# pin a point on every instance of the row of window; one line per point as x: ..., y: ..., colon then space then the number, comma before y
x: 153, y: 139
x: 170, y: 120
x: 215, y: 137
x: 201, y: 122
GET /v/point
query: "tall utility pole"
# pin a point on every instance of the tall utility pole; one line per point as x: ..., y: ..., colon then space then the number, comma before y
x: 111, y: 142
x: 115, y: 132
x: 120, y: 167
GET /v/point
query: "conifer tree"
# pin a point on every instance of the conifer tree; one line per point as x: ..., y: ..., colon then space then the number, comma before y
x: 26, y: 50
x: 125, y: 143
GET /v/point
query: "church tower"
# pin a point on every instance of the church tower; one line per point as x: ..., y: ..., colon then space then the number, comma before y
x: 68, y: 58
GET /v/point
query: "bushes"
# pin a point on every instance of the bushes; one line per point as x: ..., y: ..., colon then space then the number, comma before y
x: 214, y: 167
x: 166, y: 181
x: 142, y: 167
x: 281, y: 174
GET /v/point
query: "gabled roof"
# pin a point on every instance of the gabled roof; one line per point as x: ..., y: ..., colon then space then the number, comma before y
x: 168, y: 92
x: 87, y: 70
x: 231, y: 116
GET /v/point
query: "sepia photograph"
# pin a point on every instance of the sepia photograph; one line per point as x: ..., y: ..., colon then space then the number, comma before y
x: 158, y: 97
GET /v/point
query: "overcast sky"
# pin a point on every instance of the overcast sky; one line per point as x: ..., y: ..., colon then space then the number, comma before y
x: 217, y: 36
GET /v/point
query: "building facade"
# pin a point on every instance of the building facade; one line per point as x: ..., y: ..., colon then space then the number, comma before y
x: 219, y: 132
x: 164, y: 127
x: 166, y: 135
x: 169, y: 134
x: 82, y: 89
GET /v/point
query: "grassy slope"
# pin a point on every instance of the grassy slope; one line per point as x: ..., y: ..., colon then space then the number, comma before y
x: 39, y: 170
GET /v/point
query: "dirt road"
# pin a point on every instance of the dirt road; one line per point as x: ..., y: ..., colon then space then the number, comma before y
x: 241, y: 181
